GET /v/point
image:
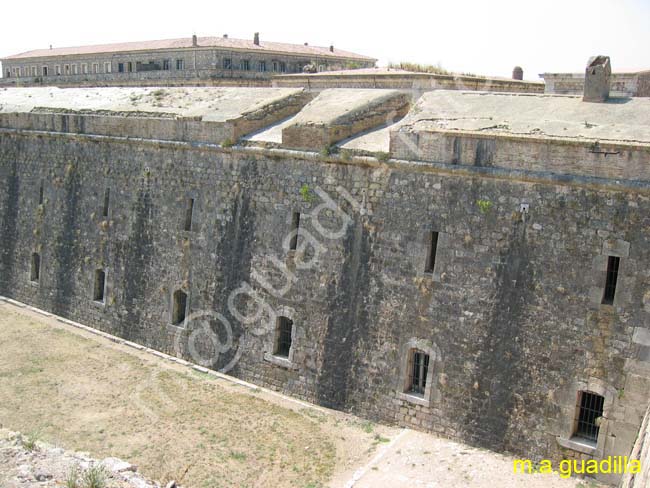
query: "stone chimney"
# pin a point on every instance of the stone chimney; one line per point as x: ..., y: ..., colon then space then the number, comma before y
x: 225, y: 36
x: 331, y: 48
x: 195, y: 41
x: 306, y: 44
x: 517, y: 73
x: 597, y: 76
x: 256, y: 39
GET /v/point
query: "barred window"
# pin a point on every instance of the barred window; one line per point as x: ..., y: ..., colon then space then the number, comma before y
x: 590, y: 414
x: 419, y: 364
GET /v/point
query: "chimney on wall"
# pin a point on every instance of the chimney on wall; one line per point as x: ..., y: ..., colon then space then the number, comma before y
x: 306, y: 44
x: 256, y: 39
x: 597, y: 77
x: 50, y: 46
x: 195, y: 41
x: 225, y: 36
x: 517, y: 73
x: 331, y: 48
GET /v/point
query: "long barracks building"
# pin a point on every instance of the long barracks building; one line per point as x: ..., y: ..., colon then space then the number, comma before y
x: 175, y: 59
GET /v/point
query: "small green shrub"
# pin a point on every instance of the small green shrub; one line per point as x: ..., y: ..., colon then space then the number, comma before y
x: 484, y: 205
x: 327, y: 151
x: 228, y: 143
x: 94, y: 477
x: 72, y: 477
x: 30, y: 441
x: 306, y: 193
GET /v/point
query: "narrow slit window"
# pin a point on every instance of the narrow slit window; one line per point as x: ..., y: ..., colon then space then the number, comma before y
x: 179, y: 307
x: 107, y: 202
x: 431, y: 252
x: 100, y: 285
x: 40, y: 194
x: 419, y: 365
x: 295, y: 227
x: 189, y: 210
x: 284, y: 330
x: 590, y: 415
x: 612, y: 277
x: 35, y: 273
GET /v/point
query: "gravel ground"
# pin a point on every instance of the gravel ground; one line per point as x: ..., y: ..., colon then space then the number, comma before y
x: 87, y: 393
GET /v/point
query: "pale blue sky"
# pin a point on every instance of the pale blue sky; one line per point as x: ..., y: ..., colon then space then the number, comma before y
x: 486, y: 37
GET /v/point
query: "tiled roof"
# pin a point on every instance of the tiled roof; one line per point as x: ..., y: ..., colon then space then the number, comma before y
x: 218, y: 42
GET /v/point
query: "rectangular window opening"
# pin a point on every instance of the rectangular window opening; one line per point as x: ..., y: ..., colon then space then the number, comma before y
x: 35, y: 273
x: 612, y: 277
x: 431, y: 252
x: 188, y: 214
x: 179, y: 307
x: 295, y: 227
x: 419, y: 365
x: 100, y: 285
x: 284, y: 330
x: 107, y: 201
x: 589, y: 416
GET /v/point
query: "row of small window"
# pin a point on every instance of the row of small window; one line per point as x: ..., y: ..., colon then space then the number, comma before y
x: 283, y: 337
x: 130, y: 66
x: 611, y: 279
x: 609, y: 292
x: 589, y: 409
x: 245, y: 65
x: 66, y: 69
x: 590, y: 405
x: 99, y: 289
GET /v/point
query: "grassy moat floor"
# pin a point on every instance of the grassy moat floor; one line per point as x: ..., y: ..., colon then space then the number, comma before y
x: 86, y: 393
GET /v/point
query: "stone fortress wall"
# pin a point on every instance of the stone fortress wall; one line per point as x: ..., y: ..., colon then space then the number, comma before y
x: 622, y: 84
x: 509, y: 312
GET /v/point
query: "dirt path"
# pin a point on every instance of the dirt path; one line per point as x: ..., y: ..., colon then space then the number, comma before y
x: 87, y: 393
